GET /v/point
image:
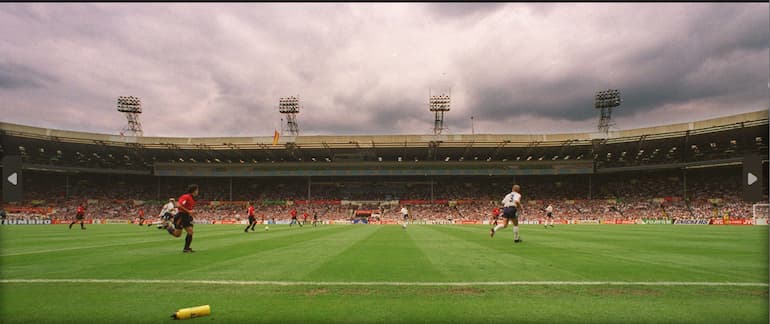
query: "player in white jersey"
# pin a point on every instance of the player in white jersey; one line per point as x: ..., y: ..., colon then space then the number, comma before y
x: 548, y: 216
x: 167, y: 214
x: 405, y: 215
x: 511, y: 207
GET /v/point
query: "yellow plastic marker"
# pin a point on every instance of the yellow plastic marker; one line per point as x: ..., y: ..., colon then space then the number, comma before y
x: 192, y: 312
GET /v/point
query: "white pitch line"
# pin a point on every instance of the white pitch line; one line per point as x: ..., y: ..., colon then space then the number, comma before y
x: 387, y: 283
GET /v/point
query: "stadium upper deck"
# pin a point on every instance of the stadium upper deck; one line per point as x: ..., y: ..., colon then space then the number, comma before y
x: 713, y: 141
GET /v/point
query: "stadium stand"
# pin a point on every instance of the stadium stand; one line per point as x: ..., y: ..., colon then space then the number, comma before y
x: 682, y: 171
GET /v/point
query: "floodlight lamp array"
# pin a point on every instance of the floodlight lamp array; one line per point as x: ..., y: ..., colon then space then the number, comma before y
x: 440, y: 103
x: 607, y: 99
x: 288, y: 105
x: 129, y: 104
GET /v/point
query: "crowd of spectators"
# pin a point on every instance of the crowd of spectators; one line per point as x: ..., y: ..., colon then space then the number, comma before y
x: 656, y: 195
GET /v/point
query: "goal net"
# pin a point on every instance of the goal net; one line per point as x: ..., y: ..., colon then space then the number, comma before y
x: 760, y: 213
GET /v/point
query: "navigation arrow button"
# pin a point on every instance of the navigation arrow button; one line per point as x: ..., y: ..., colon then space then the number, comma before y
x: 751, y: 178
x: 13, y: 178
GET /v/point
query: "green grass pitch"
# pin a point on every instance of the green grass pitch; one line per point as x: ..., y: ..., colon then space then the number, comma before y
x: 384, y: 274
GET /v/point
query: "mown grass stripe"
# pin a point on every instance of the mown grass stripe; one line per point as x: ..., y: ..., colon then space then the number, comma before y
x: 395, y: 283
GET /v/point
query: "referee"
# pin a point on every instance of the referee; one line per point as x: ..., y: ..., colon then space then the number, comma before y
x: 183, y: 219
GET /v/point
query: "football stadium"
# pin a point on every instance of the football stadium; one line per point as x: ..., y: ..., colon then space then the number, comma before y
x: 644, y: 219
x: 663, y: 220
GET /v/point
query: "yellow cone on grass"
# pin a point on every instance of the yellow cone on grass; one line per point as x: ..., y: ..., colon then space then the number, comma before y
x: 192, y: 312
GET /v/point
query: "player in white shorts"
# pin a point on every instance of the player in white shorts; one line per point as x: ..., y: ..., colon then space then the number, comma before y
x: 548, y: 216
x: 511, y: 208
x: 405, y: 215
x: 167, y: 214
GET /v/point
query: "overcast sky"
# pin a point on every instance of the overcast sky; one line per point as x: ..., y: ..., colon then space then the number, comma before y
x: 366, y: 68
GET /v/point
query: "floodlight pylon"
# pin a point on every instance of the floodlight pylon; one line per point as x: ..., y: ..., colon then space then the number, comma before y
x: 289, y: 106
x: 131, y: 106
x: 439, y: 105
x: 605, y: 101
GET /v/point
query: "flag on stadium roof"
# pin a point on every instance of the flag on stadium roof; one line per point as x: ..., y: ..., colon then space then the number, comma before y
x: 276, y: 136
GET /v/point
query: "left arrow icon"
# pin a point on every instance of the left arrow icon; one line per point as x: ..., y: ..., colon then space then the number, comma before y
x: 13, y: 178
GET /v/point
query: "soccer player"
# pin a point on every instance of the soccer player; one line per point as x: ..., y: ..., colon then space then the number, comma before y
x: 79, y: 216
x: 3, y: 215
x: 405, y: 215
x: 548, y: 216
x: 495, y: 216
x: 315, y: 218
x: 511, y: 207
x: 252, y: 219
x: 141, y: 216
x: 183, y: 219
x: 293, y: 213
x: 304, y: 217
x: 167, y: 213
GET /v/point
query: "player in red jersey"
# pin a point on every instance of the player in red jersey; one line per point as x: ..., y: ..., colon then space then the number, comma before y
x: 293, y: 214
x: 141, y: 216
x: 495, y: 216
x: 252, y: 219
x: 183, y: 219
x: 304, y: 217
x: 79, y: 215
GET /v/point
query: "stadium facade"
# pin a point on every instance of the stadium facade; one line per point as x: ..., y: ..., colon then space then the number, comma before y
x: 315, y: 161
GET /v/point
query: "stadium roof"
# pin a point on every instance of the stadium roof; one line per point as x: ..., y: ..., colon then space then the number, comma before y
x: 712, y: 139
x: 358, y: 141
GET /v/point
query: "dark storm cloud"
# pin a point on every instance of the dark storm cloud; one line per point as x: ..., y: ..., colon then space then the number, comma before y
x: 565, y: 98
x: 460, y: 9
x: 366, y: 68
x: 14, y: 76
x: 722, y: 51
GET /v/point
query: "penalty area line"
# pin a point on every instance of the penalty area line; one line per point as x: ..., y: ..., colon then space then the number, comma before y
x: 391, y: 283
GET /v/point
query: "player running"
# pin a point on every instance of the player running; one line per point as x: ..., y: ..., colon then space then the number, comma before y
x: 293, y: 214
x: 405, y: 216
x: 183, y: 218
x: 252, y: 219
x: 548, y: 216
x: 141, y: 216
x: 79, y: 215
x: 3, y: 215
x: 315, y: 218
x: 511, y: 207
x: 167, y: 213
x: 495, y: 216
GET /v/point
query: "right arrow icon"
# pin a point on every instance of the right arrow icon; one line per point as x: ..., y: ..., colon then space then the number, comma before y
x: 751, y: 178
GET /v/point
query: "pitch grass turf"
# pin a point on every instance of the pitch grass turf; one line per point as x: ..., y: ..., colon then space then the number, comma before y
x: 387, y: 254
